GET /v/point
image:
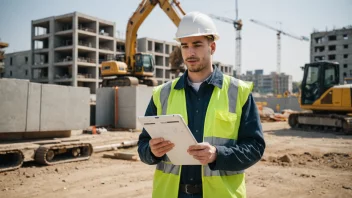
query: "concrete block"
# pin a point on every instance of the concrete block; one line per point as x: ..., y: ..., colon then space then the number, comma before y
x: 105, y: 105
x: 33, y: 109
x: 64, y: 108
x: 13, y: 105
x: 144, y: 94
x: 132, y: 102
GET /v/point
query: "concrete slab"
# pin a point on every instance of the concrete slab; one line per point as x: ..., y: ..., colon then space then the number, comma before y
x: 13, y: 105
x: 64, y: 108
x: 33, y: 110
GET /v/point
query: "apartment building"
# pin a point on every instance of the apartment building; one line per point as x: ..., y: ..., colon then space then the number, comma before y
x: 271, y: 83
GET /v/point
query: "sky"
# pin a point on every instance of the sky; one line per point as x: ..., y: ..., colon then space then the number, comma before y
x: 259, y: 44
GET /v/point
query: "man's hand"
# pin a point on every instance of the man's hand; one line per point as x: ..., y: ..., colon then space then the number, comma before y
x: 159, y: 146
x: 204, y: 152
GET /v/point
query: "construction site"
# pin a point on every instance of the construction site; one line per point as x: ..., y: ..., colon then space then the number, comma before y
x: 70, y: 105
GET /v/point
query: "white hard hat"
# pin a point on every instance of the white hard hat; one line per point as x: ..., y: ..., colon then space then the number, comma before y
x: 196, y: 24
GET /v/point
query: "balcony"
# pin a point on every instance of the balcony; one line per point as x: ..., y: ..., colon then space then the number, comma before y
x: 86, y: 61
x: 64, y: 60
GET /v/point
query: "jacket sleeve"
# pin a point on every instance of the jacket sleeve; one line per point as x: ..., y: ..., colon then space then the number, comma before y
x: 250, y: 143
x: 143, y: 142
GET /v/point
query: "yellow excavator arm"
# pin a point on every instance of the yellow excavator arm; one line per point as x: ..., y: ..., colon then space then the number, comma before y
x: 145, y: 7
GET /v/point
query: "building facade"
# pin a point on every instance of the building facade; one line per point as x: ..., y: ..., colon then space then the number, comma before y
x: 336, y: 46
x: 18, y: 65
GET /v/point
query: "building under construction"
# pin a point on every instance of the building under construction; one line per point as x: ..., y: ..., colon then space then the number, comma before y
x: 336, y: 46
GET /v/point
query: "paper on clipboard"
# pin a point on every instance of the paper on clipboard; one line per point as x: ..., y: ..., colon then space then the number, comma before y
x: 174, y: 129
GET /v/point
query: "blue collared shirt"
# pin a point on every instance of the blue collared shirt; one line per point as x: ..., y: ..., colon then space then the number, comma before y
x: 250, y: 143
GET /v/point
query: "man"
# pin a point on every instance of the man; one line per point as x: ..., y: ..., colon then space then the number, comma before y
x: 221, y: 114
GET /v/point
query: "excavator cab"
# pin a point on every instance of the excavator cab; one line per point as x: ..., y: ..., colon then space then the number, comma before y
x: 144, y: 64
x: 318, y: 78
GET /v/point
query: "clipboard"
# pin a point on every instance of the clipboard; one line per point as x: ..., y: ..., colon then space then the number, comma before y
x: 174, y: 129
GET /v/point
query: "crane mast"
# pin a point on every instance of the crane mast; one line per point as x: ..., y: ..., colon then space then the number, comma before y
x: 237, y: 24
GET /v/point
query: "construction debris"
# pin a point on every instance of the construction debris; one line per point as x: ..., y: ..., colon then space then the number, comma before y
x: 124, y: 156
x: 268, y: 115
x: 112, y: 147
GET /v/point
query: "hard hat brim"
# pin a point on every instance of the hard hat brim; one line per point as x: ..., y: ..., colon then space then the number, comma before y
x: 216, y: 37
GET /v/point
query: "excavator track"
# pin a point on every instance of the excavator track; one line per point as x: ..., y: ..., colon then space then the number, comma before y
x: 150, y: 82
x: 10, y: 160
x: 120, y: 81
x: 321, y: 122
x: 63, y: 153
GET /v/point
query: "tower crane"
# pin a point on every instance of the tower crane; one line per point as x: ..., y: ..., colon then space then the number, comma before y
x: 278, y: 34
x: 237, y: 23
x: 278, y: 55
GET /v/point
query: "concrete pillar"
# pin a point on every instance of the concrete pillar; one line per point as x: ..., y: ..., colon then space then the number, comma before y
x: 51, y: 50
x: 32, y: 52
x: 97, y: 54
x: 75, y: 49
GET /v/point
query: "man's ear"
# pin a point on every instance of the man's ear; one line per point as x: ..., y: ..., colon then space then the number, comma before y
x: 212, y: 47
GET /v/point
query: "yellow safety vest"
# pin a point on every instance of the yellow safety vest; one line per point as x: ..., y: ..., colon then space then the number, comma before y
x: 221, y: 126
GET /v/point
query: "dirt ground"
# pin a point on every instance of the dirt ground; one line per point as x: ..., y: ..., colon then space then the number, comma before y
x: 295, y: 164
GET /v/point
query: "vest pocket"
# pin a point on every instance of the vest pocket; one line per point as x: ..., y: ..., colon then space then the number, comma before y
x: 225, y: 124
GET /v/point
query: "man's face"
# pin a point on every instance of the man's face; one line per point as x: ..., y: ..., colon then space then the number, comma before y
x: 196, y: 52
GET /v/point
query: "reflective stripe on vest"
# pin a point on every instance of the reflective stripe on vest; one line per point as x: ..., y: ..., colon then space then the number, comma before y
x: 220, y: 128
x: 167, y: 167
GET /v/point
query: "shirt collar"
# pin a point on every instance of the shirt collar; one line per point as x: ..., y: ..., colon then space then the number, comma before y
x: 216, y: 79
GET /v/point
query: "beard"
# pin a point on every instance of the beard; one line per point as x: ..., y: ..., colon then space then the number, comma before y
x: 198, y: 67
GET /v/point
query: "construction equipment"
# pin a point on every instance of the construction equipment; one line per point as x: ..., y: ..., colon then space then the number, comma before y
x: 46, y: 152
x: 28, y: 125
x: 237, y: 23
x: 278, y: 55
x: 330, y: 103
x: 133, y: 68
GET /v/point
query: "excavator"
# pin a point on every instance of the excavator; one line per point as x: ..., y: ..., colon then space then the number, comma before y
x: 330, y: 103
x: 133, y: 68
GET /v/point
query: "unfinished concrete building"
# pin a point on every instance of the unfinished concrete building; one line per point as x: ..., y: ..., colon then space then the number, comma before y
x: 336, y: 46
x: 2, y: 57
x: 225, y: 68
x: 68, y: 49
